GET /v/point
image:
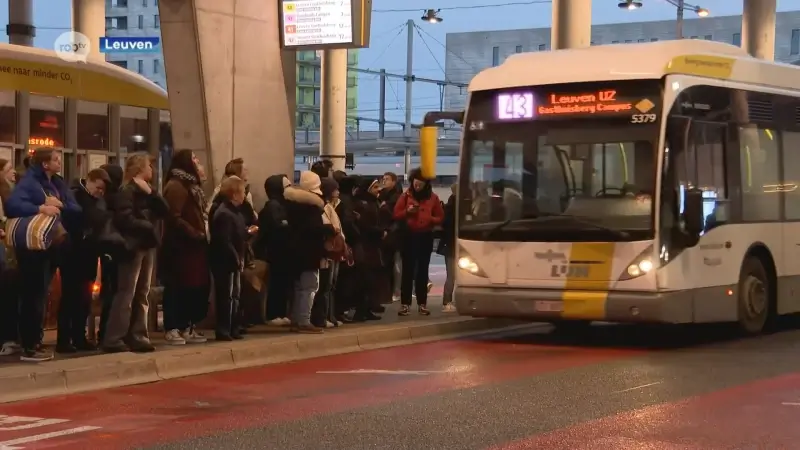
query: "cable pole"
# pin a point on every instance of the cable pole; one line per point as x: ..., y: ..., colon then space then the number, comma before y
x: 409, y: 84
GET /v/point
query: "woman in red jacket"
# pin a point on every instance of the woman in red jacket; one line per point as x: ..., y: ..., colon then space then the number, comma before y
x: 417, y: 211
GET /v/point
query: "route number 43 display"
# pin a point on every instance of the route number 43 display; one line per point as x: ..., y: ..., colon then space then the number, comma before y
x: 644, y: 118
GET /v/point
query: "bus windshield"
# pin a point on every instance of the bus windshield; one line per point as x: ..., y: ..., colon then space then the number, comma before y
x: 581, y: 177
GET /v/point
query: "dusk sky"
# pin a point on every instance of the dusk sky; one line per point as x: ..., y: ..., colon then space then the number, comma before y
x: 388, y: 43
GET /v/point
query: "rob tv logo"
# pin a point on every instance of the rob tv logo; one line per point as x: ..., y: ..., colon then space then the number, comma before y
x: 130, y: 45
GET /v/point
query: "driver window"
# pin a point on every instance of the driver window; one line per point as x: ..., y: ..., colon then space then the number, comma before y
x: 702, y: 166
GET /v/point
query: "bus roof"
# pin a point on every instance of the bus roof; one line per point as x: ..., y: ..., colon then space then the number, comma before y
x: 651, y: 60
x: 42, y: 72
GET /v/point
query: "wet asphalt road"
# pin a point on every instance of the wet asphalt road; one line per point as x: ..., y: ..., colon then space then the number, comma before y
x: 614, y: 387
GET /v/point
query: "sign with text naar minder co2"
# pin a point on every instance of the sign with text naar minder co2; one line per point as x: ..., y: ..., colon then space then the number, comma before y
x: 130, y: 45
x: 324, y: 24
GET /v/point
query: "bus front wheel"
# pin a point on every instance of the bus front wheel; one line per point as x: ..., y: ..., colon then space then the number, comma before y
x: 755, y: 291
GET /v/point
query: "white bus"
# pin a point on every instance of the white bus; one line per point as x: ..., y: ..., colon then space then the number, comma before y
x: 653, y: 183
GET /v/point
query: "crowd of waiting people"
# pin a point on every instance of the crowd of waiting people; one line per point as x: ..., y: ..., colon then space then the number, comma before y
x: 335, y: 248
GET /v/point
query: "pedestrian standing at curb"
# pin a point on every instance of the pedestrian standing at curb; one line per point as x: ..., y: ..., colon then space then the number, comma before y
x: 229, y: 236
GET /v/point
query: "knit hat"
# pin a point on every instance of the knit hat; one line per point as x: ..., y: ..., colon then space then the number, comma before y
x: 329, y: 185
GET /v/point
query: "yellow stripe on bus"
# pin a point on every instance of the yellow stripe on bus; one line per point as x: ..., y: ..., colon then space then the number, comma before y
x: 585, y: 297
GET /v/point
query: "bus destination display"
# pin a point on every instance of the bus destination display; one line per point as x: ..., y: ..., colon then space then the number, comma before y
x: 317, y: 22
x: 528, y: 105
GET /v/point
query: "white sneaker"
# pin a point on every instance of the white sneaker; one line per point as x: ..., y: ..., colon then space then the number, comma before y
x: 328, y: 324
x: 448, y: 308
x: 430, y: 286
x: 173, y: 337
x: 10, y: 348
x: 276, y: 322
x: 286, y: 321
x: 395, y: 298
x: 339, y: 323
x: 191, y: 336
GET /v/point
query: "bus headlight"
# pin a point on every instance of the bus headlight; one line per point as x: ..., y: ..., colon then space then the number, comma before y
x: 467, y: 264
x: 641, y: 265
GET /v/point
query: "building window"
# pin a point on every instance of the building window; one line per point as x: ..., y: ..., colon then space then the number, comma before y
x: 123, y: 64
x: 141, y: 22
x: 518, y: 49
x: 156, y: 21
x: 92, y: 125
x: 117, y: 23
x: 642, y: 40
x: 495, y: 56
x: 140, y: 67
x: 737, y: 39
x: 708, y: 37
x: 693, y: 37
x: 317, y: 97
x: 653, y: 39
x: 156, y: 66
x: 133, y: 129
x: 628, y: 41
x: 144, y: 3
x: 47, y: 121
x: 542, y: 47
x: 795, y: 45
x: 8, y: 117
x: 615, y: 42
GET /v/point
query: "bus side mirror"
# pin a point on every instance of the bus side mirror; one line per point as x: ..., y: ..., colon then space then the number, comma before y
x: 428, y: 141
x: 693, y: 211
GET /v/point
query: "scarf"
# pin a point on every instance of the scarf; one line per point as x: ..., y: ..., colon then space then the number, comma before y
x: 195, y: 189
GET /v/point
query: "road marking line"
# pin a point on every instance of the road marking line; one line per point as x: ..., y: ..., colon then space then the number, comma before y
x: 382, y: 372
x: 35, y: 422
x: 8, y: 445
x: 790, y: 404
x: 638, y: 387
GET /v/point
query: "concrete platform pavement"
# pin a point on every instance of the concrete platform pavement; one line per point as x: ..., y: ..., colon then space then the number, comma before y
x: 263, y: 345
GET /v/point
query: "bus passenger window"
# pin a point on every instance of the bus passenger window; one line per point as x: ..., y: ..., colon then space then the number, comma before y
x: 760, y: 174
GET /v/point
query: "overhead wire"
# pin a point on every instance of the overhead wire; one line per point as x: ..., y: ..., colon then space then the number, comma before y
x: 464, y: 7
x: 447, y: 50
x: 435, y: 59
x: 386, y: 48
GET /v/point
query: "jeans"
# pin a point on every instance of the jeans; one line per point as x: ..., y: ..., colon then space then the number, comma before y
x: 397, y: 270
x: 305, y: 288
x: 227, y: 294
x: 323, y: 299
x: 36, y: 270
x: 184, y: 306
x: 417, y: 249
x: 450, y: 283
x: 127, y: 320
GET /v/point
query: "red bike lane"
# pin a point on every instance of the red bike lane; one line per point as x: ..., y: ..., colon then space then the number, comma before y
x: 758, y: 415
x: 180, y: 409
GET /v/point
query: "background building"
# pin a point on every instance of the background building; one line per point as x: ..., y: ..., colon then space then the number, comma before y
x: 469, y: 53
x: 140, y: 18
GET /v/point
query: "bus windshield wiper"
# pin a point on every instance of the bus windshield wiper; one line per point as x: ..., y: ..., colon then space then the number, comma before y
x: 491, y: 231
x: 582, y: 221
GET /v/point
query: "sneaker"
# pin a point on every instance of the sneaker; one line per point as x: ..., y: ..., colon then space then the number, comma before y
x: 404, y: 311
x: 10, y: 348
x: 395, y: 298
x: 423, y: 310
x: 448, y: 308
x: 286, y: 321
x: 339, y: 323
x: 329, y: 324
x: 277, y: 322
x: 430, y: 286
x: 35, y: 356
x: 173, y: 337
x: 191, y: 336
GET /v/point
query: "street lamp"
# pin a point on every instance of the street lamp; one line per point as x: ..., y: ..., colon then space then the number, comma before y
x: 680, y: 4
x: 629, y: 5
x: 432, y: 16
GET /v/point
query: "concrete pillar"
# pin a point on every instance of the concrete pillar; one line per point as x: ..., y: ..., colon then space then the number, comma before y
x: 758, y: 28
x: 333, y: 123
x: 572, y: 24
x: 20, y: 29
x: 231, y: 88
x: 89, y: 18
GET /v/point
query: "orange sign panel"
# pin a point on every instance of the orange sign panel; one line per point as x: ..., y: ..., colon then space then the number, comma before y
x: 603, y: 101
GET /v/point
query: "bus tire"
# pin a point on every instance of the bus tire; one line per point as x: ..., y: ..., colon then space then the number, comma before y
x: 754, y: 293
x: 571, y: 327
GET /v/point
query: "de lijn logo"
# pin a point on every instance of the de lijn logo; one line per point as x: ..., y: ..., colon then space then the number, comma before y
x: 130, y: 45
x: 73, y: 46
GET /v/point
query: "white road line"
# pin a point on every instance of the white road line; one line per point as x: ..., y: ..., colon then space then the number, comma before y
x: 34, y: 422
x: 790, y: 404
x: 382, y: 372
x: 8, y: 445
x: 638, y: 387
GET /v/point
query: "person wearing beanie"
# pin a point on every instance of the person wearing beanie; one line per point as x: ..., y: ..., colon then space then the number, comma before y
x: 306, y: 244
